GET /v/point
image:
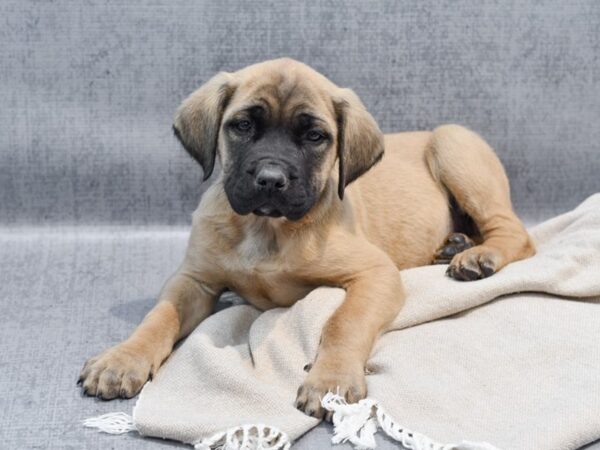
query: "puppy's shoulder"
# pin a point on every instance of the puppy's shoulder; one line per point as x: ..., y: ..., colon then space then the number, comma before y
x: 213, y: 220
x: 213, y: 205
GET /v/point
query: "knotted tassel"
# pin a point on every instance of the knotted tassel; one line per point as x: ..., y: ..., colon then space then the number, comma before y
x: 358, y: 423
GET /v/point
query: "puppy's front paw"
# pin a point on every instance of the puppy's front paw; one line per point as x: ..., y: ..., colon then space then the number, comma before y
x: 350, y: 383
x: 119, y: 371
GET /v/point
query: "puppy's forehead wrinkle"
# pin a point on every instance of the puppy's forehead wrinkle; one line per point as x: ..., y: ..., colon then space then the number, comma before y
x: 256, y: 106
x: 285, y: 90
x: 307, y: 116
x: 295, y: 109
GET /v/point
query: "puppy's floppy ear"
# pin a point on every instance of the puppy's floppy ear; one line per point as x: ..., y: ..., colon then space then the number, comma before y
x: 360, y: 142
x: 198, y: 120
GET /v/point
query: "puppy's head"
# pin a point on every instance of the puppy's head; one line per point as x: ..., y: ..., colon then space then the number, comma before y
x: 281, y: 131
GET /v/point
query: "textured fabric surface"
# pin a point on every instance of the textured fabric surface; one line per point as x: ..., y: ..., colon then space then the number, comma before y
x: 491, y: 372
x: 89, y: 90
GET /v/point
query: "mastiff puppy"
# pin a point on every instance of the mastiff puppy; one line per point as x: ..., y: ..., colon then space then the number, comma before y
x: 307, y: 197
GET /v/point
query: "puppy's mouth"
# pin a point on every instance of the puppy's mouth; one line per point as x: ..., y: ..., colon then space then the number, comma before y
x: 267, y: 211
x: 244, y: 200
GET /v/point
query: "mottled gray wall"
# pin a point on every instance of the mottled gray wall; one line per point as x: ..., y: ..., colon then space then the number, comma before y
x: 88, y: 90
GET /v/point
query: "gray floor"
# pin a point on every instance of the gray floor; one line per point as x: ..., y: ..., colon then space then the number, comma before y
x: 66, y: 294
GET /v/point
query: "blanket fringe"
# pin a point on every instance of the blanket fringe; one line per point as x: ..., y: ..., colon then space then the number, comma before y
x: 245, y: 437
x: 111, y: 423
x: 259, y: 437
x: 358, y: 423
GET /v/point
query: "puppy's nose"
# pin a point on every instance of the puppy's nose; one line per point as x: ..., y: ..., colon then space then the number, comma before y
x: 271, y: 178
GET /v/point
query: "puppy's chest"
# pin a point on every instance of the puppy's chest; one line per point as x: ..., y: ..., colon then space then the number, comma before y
x: 256, y: 252
x: 258, y: 271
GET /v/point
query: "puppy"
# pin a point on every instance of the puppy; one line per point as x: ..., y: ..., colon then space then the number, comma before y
x: 307, y: 198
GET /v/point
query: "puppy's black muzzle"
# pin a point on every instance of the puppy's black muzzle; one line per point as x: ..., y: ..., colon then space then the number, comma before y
x: 270, y: 187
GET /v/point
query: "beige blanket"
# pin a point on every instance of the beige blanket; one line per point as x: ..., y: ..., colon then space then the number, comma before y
x: 512, y: 361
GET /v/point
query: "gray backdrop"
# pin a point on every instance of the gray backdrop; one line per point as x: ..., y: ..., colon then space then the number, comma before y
x: 87, y: 94
x: 89, y: 88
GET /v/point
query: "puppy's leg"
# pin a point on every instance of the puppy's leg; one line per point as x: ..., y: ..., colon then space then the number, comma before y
x: 469, y: 169
x: 122, y: 370
x: 374, y: 296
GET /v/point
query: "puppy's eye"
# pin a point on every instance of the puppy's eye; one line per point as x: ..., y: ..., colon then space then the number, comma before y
x: 314, y: 136
x: 243, y: 126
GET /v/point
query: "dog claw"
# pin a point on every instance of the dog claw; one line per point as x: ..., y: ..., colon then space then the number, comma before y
x: 457, y: 238
x: 469, y: 274
x: 487, y: 270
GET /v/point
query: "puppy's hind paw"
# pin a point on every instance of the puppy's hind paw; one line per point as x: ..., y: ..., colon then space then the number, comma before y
x: 454, y: 244
x: 474, y: 264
